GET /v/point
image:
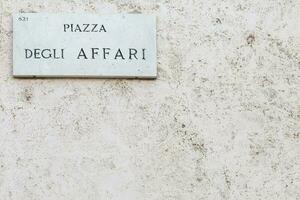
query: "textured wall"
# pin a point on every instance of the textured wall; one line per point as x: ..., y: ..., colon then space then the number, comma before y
x: 222, y: 121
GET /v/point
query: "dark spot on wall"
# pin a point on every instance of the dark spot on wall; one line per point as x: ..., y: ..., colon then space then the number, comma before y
x: 199, y: 147
x: 199, y: 179
x: 250, y: 39
x: 296, y: 135
x: 227, y: 179
x: 27, y: 94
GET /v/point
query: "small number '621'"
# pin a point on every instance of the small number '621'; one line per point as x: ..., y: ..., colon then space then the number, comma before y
x: 23, y: 19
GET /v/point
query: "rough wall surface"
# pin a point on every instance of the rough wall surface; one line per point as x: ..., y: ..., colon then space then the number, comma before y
x: 222, y: 121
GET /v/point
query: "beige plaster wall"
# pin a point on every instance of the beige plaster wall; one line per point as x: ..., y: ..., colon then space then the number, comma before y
x: 222, y: 121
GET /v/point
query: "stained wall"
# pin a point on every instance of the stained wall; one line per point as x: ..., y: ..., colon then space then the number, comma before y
x: 221, y: 121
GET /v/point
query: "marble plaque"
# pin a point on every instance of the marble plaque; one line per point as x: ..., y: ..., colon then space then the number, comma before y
x: 84, y: 45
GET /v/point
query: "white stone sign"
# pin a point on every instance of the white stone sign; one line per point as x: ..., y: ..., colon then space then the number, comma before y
x: 72, y: 45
